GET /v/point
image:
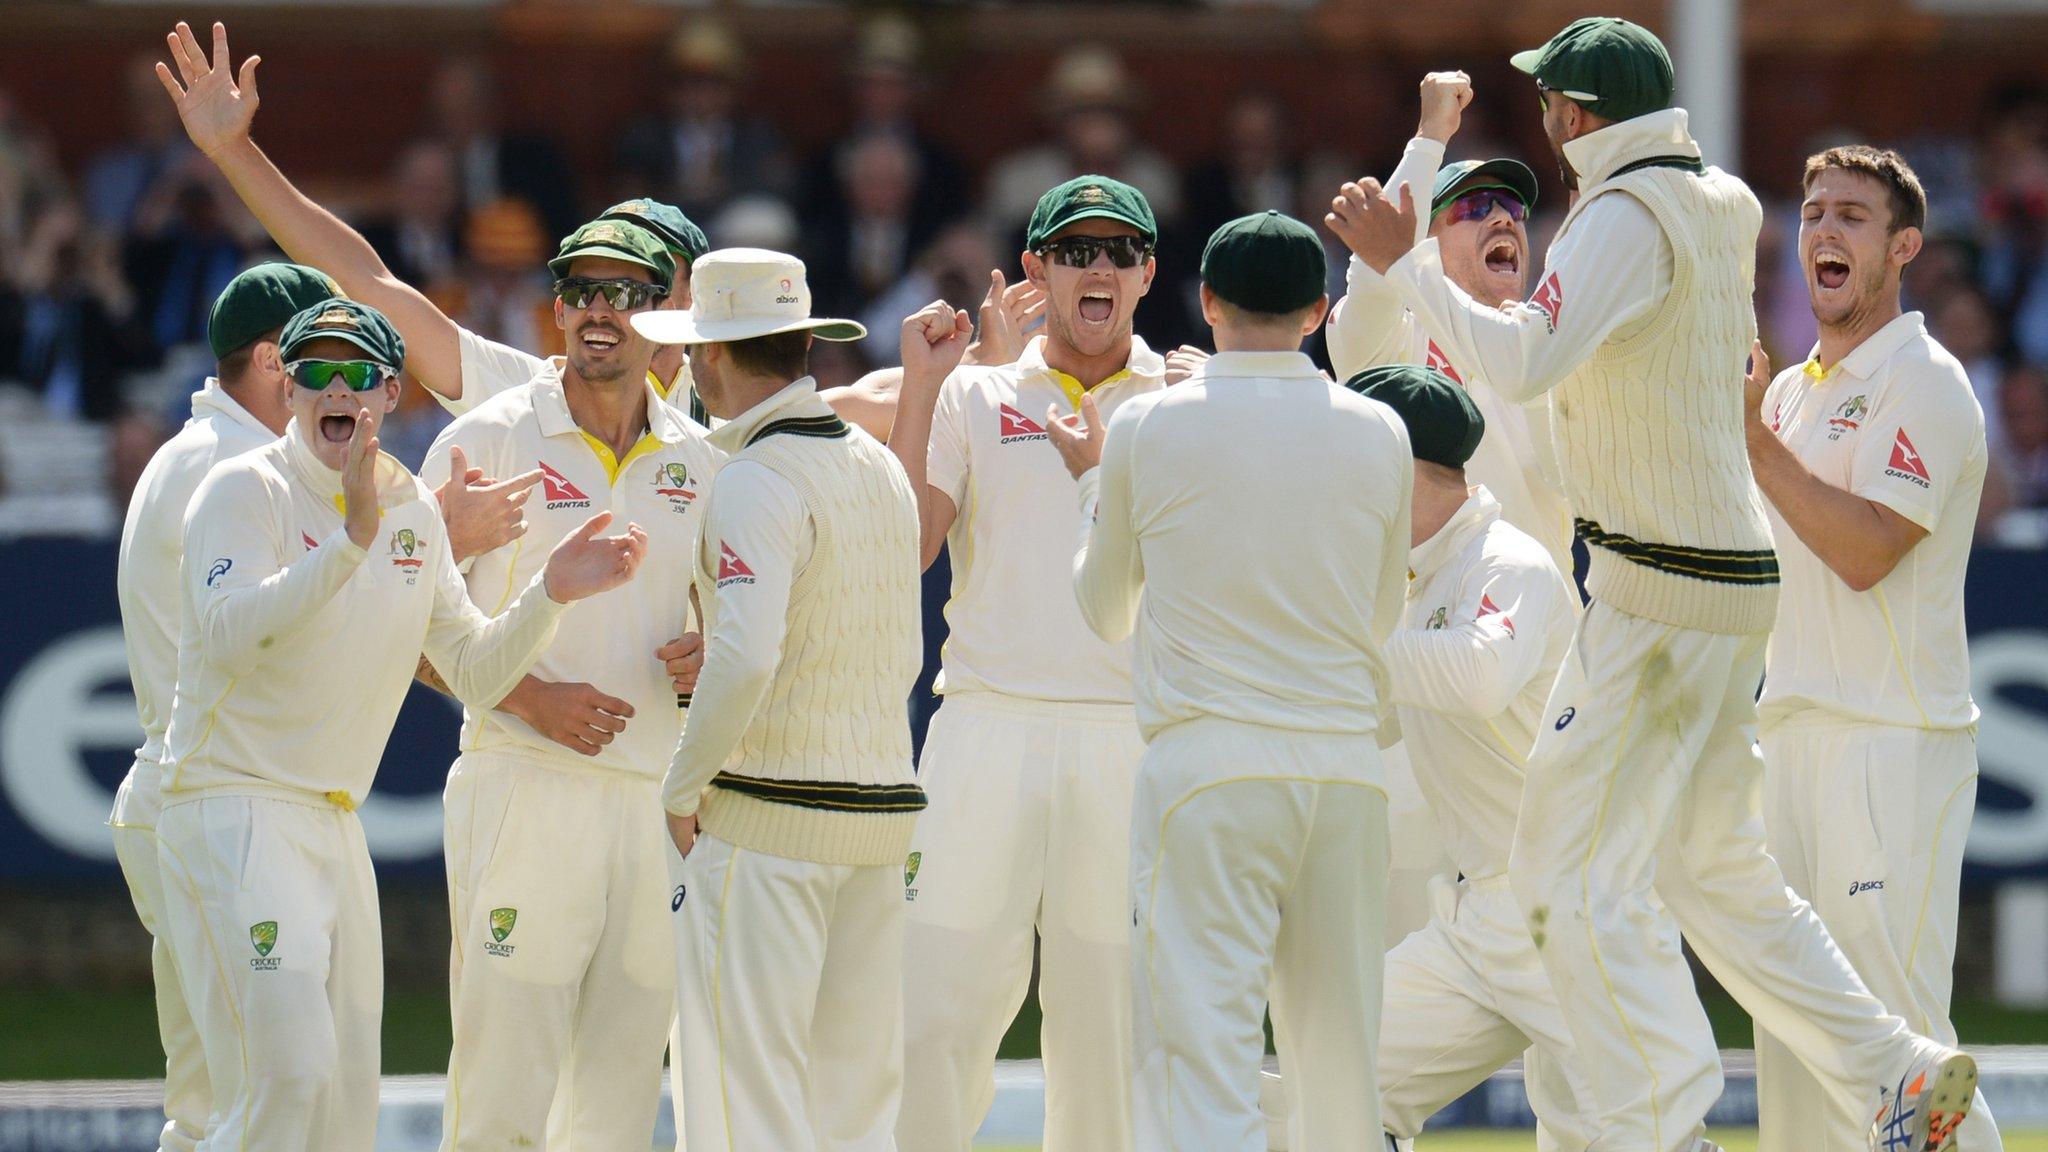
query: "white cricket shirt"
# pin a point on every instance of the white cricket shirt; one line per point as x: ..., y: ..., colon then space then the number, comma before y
x: 1263, y: 513
x: 609, y: 639
x: 298, y: 646
x: 1896, y: 422
x: 1488, y: 622
x: 1012, y: 623
x: 148, y: 581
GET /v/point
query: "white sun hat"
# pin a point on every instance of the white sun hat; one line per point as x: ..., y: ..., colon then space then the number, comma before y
x: 741, y: 293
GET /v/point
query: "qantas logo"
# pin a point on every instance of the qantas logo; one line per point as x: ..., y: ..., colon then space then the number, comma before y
x: 558, y: 491
x: 1906, y: 463
x: 1549, y: 300
x: 1488, y: 608
x: 309, y: 541
x: 732, y: 569
x: 1015, y: 428
x: 1442, y: 363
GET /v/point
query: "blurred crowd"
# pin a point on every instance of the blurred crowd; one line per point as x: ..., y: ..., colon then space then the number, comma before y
x: 107, y: 272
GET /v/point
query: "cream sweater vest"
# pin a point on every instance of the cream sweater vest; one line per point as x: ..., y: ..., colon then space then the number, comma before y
x: 823, y: 772
x: 1649, y: 430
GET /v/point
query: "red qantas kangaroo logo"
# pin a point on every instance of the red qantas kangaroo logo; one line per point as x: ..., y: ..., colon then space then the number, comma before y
x: 1015, y: 428
x: 1906, y: 463
x: 557, y: 490
x: 732, y: 569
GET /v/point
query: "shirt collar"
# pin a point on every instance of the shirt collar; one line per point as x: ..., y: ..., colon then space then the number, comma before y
x: 213, y: 397
x: 800, y: 398
x: 1143, y: 367
x: 551, y: 410
x: 1286, y: 365
x: 1597, y: 155
x: 1866, y: 358
x: 1479, y: 510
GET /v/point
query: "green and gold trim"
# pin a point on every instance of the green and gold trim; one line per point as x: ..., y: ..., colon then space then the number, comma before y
x: 826, y: 795
x: 1720, y: 565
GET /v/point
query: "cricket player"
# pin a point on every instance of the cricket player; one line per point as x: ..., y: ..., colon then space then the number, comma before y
x: 244, y: 406
x: 562, y: 978
x: 796, y: 763
x: 317, y: 570
x: 1872, y: 456
x: 1487, y: 623
x: 1032, y: 758
x: 1642, y: 786
x: 1259, y: 828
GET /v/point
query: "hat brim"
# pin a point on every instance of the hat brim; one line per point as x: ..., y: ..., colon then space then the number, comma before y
x: 355, y: 338
x: 674, y: 326
x: 559, y: 266
x: 1515, y: 175
x: 1526, y: 61
x: 1151, y: 237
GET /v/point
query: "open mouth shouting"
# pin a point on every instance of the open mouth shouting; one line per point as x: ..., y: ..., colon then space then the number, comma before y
x: 1097, y: 306
x: 337, y: 427
x: 1504, y: 256
x: 1830, y: 270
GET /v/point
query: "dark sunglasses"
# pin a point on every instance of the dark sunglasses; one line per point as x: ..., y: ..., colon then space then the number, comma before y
x: 622, y: 294
x: 1081, y: 251
x: 1479, y: 203
x: 359, y: 375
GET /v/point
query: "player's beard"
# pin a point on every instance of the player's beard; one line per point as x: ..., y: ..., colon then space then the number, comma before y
x: 1059, y: 326
x: 1865, y: 304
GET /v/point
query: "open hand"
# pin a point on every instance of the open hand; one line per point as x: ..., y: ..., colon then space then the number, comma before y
x: 584, y: 563
x: 482, y: 514
x: 1078, y: 437
x: 1006, y: 316
x: 1376, y: 229
x: 216, y: 107
x: 359, y: 483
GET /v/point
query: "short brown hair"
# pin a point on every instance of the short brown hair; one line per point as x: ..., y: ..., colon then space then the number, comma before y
x: 1908, y: 201
x: 786, y: 355
x: 233, y: 366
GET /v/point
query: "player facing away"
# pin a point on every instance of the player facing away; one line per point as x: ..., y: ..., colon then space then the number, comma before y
x: 1258, y: 829
x: 1872, y: 457
x: 791, y: 795
x: 317, y: 571
x: 1641, y: 793
x: 243, y: 406
x: 1031, y: 760
x: 1487, y: 623
x: 562, y: 974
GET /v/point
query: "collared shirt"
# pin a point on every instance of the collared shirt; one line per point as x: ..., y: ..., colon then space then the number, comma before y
x: 1371, y: 326
x: 611, y: 637
x: 1013, y: 626
x: 298, y: 646
x: 1895, y: 422
x: 1487, y: 624
x: 1263, y: 513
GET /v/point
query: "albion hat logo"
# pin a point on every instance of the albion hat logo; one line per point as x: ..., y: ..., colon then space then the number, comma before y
x: 337, y: 318
x: 1092, y: 194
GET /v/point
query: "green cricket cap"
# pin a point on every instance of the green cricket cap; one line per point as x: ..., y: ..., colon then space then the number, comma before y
x: 1471, y: 175
x: 1613, y: 67
x: 1266, y: 262
x: 1090, y: 197
x: 1444, y: 426
x: 629, y: 241
x: 260, y: 300
x: 677, y: 232
x: 359, y: 324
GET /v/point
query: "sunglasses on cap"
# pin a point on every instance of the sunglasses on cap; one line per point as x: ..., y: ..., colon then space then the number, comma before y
x: 1543, y: 92
x: 1081, y: 251
x: 359, y: 375
x: 1479, y: 203
x: 623, y: 294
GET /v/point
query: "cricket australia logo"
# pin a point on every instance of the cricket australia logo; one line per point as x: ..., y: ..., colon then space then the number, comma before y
x: 263, y: 937
x: 1015, y: 428
x: 1439, y: 619
x: 404, y: 543
x: 673, y: 482
x: 910, y: 866
x: 1848, y: 417
x: 502, y: 922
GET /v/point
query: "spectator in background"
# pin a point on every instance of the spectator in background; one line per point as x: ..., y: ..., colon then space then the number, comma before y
x: 700, y: 152
x: 856, y: 257
x: 505, y: 294
x: 1255, y: 167
x: 1964, y: 324
x: 464, y: 106
x: 30, y: 179
x: 1089, y: 103
x: 2023, y: 410
x: 121, y: 177
x: 421, y: 239
x: 188, y: 238
x: 2013, y: 169
x: 69, y: 326
x: 883, y: 92
x: 954, y: 268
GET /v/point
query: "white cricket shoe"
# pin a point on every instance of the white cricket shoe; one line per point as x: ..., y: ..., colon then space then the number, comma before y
x: 1921, y: 1112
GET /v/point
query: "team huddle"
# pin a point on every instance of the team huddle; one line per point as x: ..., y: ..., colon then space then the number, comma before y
x: 1266, y: 696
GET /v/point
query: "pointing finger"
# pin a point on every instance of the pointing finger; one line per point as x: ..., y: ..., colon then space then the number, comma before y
x: 519, y: 483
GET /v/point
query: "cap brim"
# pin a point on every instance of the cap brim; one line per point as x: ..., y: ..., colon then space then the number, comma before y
x: 560, y: 264
x: 1513, y: 174
x: 1101, y: 214
x: 674, y: 326
x: 1526, y: 61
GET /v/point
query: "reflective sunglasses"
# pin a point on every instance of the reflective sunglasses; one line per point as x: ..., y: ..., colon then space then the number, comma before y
x: 624, y: 295
x: 359, y: 375
x: 1479, y: 203
x: 1081, y: 251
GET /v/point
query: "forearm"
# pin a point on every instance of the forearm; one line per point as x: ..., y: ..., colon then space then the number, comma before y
x: 910, y: 438
x: 484, y: 658
x: 1457, y: 672
x: 241, y: 626
x: 1107, y: 578
x: 728, y: 694
x: 1847, y: 532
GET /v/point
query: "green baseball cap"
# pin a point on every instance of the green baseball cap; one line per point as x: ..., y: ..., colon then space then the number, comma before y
x: 1614, y: 68
x: 1090, y: 197
x: 1512, y: 175
x: 260, y: 300
x: 680, y: 234
x: 359, y: 324
x: 1266, y: 262
x: 617, y: 240
x: 1444, y: 426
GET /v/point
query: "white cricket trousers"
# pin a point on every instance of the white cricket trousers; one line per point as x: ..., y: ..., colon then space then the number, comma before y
x: 562, y: 971
x: 1645, y: 783
x: 790, y: 977
x: 188, y: 1094
x: 1258, y: 874
x: 1869, y: 821
x: 273, y: 906
x: 1028, y: 831
x: 1416, y: 843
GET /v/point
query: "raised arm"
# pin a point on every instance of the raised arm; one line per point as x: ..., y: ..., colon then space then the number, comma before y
x: 934, y: 339
x: 217, y: 108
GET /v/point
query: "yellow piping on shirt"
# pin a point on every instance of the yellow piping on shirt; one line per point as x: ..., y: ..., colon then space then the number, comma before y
x: 1899, y: 657
x: 613, y: 466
